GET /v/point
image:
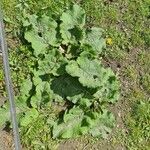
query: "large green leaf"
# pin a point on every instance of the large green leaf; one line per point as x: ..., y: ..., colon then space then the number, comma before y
x: 72, y: 24
x: 43, y: 94
x: 76, y: 122
x: 109, y: 92
x: 38, y: 43
x: 90, y: 72
x: 41, y: 34
x: 30, y: 20
x: 53, y: 63
x: 92, y: 75
x: 71, y: 125
x: 94, y: 38
x: 100, y: 124
x: 42, y: 89
x: 47, y: 28
x: 69, y: 88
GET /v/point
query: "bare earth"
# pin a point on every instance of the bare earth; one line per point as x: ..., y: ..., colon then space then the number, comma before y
x: 5, y: 141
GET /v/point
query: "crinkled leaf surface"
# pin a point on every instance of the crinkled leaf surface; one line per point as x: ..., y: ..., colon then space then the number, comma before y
x: 30, y: 20
x: 53, y: 63
x: 72, y: 22
x: 92, y: 75
x: 69, y: 88
x: 94, y: 38
x: 100, y: 124
x: 109, y: 92
x: 41, y: 89
x: 47, y: 28
x: 90, y: 72
x: 71, y: 125
x: 25, y: 92
x: 38, y: 43
x: 43, y: 94
x: 76, y: 122
x: 42, y: 34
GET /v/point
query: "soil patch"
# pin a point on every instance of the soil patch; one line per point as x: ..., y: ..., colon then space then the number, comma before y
x: 6, y: 141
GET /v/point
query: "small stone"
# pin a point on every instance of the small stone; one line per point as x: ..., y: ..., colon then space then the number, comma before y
x: 119, y: 114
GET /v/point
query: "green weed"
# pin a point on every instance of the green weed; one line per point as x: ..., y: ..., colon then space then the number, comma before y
x: 138, y: 126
